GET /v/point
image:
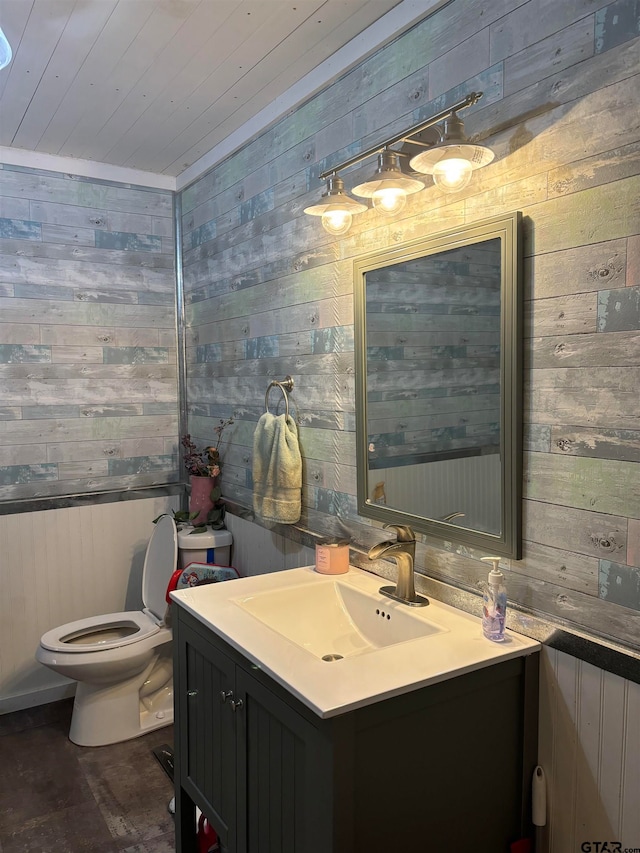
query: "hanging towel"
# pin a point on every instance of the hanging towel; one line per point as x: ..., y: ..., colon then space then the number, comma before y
x: 277, y: 469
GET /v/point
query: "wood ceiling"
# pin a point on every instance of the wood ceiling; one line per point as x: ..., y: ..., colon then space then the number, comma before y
x: 155, y: 84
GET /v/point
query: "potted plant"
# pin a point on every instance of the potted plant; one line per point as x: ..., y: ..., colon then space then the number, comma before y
x: 205, y: 506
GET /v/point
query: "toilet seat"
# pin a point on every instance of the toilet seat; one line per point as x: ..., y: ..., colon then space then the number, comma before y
x: 110, y: 631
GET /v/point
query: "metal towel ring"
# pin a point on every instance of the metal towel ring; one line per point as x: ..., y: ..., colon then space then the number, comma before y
x: 284, y: 386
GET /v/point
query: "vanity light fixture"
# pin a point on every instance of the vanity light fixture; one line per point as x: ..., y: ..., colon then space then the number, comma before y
x: 338, y: 209
x: 450, y: 159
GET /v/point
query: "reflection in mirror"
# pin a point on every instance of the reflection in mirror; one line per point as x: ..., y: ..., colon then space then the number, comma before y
x: 433, y: 385
x: 437, y: 324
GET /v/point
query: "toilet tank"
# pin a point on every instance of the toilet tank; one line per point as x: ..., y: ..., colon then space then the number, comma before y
x: 214, y: 546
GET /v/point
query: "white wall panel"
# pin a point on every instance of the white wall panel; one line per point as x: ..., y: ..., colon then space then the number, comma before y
x: 630, y: 817
x: 257, y: 551
x: 588, y: 736
x: 590, y: 750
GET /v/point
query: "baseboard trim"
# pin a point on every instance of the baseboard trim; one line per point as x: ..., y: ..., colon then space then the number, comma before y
x: 37, y: 697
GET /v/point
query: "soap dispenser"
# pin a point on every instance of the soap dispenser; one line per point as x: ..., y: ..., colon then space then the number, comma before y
x: 494, y: 606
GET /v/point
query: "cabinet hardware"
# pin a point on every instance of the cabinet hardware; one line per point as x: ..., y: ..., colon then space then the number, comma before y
x: 226, y: 694
x: 236, y: 705
x: 192, y: 693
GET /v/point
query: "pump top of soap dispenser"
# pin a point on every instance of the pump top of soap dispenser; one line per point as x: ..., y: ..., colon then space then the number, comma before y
x: 495, y: 575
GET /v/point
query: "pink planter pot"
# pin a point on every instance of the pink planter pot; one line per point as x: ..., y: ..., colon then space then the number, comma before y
x: 200, y: 499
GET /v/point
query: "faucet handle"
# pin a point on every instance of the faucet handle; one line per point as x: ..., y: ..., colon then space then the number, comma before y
x: 403, y: 532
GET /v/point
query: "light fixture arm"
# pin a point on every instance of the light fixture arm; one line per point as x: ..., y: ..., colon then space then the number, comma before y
x: 469, y: 101
x: 438, y: 128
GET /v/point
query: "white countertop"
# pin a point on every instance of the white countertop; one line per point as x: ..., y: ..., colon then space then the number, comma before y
x: 331, y: 688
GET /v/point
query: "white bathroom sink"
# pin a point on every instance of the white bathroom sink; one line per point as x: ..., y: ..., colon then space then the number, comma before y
x: 337, y: 643
x: 334, y: 620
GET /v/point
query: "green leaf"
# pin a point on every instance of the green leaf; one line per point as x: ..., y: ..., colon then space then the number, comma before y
x: 215, y: 517
x: 182, y: 515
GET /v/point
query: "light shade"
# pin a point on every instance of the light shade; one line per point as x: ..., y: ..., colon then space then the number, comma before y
x: 337, y: 209
x: 389, y: 187
x: 452, y: 161
x: 5, y: 51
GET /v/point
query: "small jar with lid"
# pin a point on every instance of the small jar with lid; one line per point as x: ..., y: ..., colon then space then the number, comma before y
x: 332, y: 557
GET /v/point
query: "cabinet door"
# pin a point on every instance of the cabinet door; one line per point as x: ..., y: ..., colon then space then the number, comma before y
x: 284, y: 776
x: 207, y: 736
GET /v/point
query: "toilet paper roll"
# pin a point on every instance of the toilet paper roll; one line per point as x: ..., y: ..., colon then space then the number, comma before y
x: 539, y: 797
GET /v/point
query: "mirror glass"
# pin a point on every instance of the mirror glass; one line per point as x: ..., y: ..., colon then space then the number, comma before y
x: 438, y: 342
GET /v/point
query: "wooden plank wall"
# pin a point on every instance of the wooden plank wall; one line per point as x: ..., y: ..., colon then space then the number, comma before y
x: 88, y: 387
x: 269, y: 293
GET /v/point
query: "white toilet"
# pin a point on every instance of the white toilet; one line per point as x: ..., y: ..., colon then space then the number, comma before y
x: 121, y: 661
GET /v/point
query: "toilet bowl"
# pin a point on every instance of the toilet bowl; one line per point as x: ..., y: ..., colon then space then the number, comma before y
x: 121, y: 661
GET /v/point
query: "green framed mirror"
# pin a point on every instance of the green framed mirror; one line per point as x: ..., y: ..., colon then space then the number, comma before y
x: 438, y: 347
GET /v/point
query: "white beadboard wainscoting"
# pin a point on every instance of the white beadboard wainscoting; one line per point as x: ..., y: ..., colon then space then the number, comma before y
x: 441, y: 488
x: 589, y: 747
x: 59, y: 565
x: 256, y: 551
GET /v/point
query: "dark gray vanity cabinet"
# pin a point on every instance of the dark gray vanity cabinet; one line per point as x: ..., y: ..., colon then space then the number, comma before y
x: 444, y: 768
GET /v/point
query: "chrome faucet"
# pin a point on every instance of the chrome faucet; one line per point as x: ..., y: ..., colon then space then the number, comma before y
x: 403, y: 551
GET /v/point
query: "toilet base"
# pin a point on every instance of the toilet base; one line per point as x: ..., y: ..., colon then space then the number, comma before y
x: 103, y: 715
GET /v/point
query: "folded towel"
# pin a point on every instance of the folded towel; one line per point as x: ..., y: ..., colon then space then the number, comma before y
x: 277, y: 469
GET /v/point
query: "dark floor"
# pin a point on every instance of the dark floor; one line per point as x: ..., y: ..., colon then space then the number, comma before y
x: 56, y: 797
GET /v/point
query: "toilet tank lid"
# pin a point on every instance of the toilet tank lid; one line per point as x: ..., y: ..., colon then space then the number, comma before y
x: 188, y: 541
x: 160, y: 563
